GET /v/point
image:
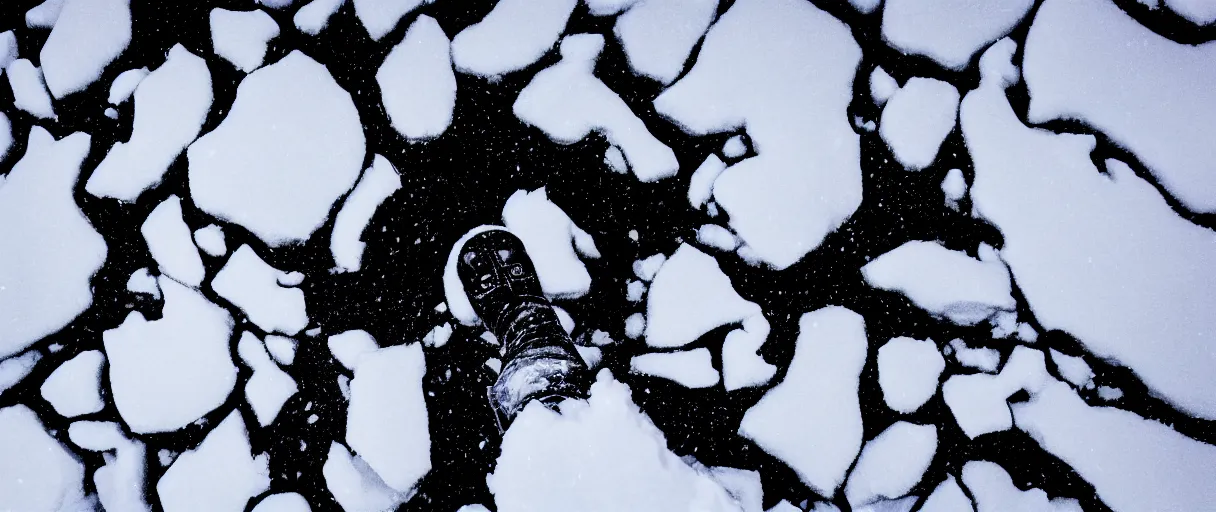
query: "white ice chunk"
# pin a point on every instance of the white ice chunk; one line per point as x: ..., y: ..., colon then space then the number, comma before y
x: 908, y: 371
x: 646, y: 268
x: 784, y: 70
x: 142, y: 282
x: 608, y: 7
x: 691, y: 296
x: 250, y: 284
x: 29, y: 92
x: 615, y: 160
x: 954, y: 187
x: 1201, y: 12
x: 171, y: 104
x: 13, y: 369
x: 386, y: 422
x: 50, y: 249
x: 283, y: 502
x: 120, y: 483
x: 994, y: 490
x: 38, y: 473
x: 277, y: 162
x: 590, y: 355
x: 1091, y: 62
x: 6, y: 138
x: 168, y: 239
x: 378, y: 182
x: 438, y: 336
x: 891, y: 464
x: 211, y: 240
x: 564, y: 318
x: 982, y: 359
x: 943, y: 282
x: 125, y: 83
x: 689, y: 368
x: 355, y: 485
x: 8, y: 48
x: 602, y: 454
x: 882, y: 86
x: 1154, y: 467
x: 240, y: 37
x: 512, y: 36
x: 282, y: 349
x: 812, y: 419
x: 657, y: 35
x: 417, y: 83
x: 701, y: 186
x: 221, y: 474
x: 635, y: 326
x: 74, y: 388
x: 315, y: 15
x: 166, y: 373
x: 44, y: 14
x: 718, y: 237
x: 88, y: 36
x: 567, y: 102
x: 269, y: 387
x: 1102, y: 257
x: 741, y: 366
x: 635, y: 290
x: 917, y: 120
x: 1073, y: 369
x: 734, y: 147
x: 951, y: 32
x: 380, y: 17
x: 548, y: 236
x: 978, y: 400
x: 275, y: 4
x: 948, y: 497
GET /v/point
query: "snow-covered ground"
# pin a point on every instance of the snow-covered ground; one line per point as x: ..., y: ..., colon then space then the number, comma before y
x: 896, y: 255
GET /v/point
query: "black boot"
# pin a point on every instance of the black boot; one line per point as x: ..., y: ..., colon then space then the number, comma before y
x: 539, y: 359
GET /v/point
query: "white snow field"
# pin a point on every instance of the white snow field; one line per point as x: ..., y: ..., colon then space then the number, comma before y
x: 943, y: 282
x: 567, y: 102
x: 950, y: 32
x: 811, y: 420
x: 417, y: 84
x: 262, y: 292
x: 120, y: 482
x: 548, y: 235
x: 892, y: 463
x: 269, y: 387
x: 240, y: 37
x: 978, y: 400
x: 1132, y: 462
x: 88, y: 36
x: 1100, y: 256
x: 1147, y: 93
x: 125, y: 83
x: 171, y: 104
x: 380, y: 17
x: 917, y: 119
x: 48, y: 476
x: 690, y: 368
x: 908, y: 370
x: 74, y: 388
x: 657, y: 36
x: 29, y: 91
x: 784, y: 70
x: 500, y: 43
x: 166, y: 373
x: 602, y: 454
x: 386, y: 423
x: 168, y: 239
x: 42, y: 286
x: 221, y: 474
x: 278, y: 162
x: 378, y: 182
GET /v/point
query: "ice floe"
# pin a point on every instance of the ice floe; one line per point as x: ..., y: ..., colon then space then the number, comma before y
x: 378, y: 182
x: 951, y: 32
x: 784, y: 69
x: 417, y: 84
x: 657, y: 36
x: 44, y: 14
x: 908, y: 370
x: 166, y: 373
x: 278, y: 162
x: 568, y: 102
x: 943, y: 282
x: 210, y: 239
x: 220, y: 474
x: 315, y: 15
x: 891, y: 464
x: 88, y: 36
x: 168, y: 239
x: 43, y: 286
x: 29, y: 91
x: 978, y: 400
x: 47, y: 476
x: 74, y: 388
x: 14, y: 369
x: 701, y: 186
x: 269, y: 387
x: 124, y: 85
x: 689, y: 297
x: 386, y: 422
x: 690, y: 368
x: 355, y: 485
x: 499, y: 43
x: 282, y: 349
x: 917, y: 119
x: 380, y: 17
x: 548, y: 236
x: 811, y: 420
x: 256, y: 287
x: 240, y: 37
x: 120, y: 482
